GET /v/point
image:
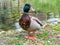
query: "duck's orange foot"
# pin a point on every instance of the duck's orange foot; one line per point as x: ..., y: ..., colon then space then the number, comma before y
x: 31, y: 37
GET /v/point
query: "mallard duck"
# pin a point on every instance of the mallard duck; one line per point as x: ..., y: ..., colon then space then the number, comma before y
x: 29, y: 23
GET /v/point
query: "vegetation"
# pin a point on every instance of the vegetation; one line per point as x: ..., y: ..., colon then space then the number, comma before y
x: 10, y: 12
x: 18, y: 38
x: 56, y: 27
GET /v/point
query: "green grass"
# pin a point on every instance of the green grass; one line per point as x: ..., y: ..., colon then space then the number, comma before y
x: 18, y: 39
x: 56, y: 27
x: 43, y: 35
x: 47, y: 43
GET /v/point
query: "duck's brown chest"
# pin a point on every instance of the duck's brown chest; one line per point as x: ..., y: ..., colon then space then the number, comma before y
x: 25, y: 21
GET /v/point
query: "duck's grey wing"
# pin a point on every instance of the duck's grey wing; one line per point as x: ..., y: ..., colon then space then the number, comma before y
x: 35, y: 24
x: 37, y: 20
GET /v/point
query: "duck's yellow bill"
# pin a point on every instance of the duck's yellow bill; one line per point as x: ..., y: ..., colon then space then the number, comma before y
x: 32, y: 9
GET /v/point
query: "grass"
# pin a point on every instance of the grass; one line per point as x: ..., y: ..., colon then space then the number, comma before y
x: 56, y: 27
x: 43, y: 35
x: 47, y: 43
x: 18, y: 38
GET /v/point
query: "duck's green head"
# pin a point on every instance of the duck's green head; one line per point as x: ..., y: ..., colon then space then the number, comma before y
x: 27, y: 7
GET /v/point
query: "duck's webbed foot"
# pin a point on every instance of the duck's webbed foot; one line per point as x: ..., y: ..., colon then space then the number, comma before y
x: 32, y: 37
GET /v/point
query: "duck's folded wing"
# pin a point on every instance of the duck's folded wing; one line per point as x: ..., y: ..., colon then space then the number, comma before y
x: 37, y: 20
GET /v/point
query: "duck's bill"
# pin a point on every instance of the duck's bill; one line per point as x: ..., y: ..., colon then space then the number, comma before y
x: 32, y: 9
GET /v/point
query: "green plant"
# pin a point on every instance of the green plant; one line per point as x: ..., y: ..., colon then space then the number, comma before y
x: 19, y: 43
x: 43, y: 35
x: 56, y: 27
x: 47, y: 43
x: 52, y: 40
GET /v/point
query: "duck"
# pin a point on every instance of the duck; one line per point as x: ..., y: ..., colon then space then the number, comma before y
x: 29, y: 23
